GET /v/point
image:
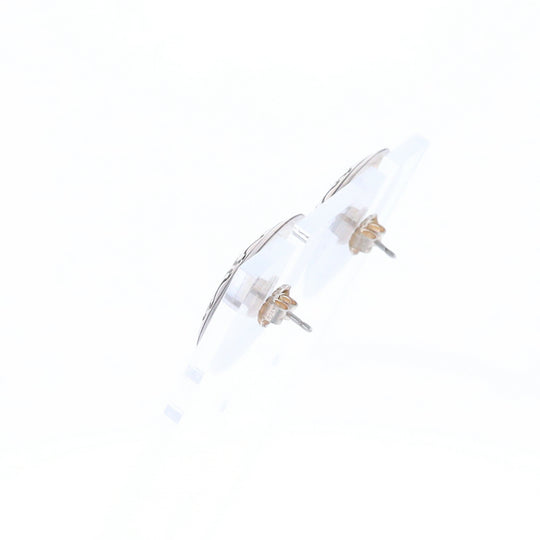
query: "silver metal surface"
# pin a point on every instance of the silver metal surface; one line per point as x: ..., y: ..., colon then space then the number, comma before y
x: 371, y: 161
x: 250, y: 251
x: 386, y: 250
x: 297, y: 320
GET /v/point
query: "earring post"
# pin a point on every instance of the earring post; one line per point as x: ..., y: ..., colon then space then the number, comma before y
x: 297, y: 320
x: 386, y: 250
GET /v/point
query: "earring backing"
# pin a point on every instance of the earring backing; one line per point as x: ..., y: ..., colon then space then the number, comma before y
x: 278, y: 306
x: 367, y: 235
x: 360, y: 234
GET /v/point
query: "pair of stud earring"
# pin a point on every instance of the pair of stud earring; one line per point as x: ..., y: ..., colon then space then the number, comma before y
x: 349, y: 218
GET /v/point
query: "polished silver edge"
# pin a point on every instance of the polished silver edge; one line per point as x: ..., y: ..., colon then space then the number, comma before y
x: 371, y: 161
x: 249, y: 252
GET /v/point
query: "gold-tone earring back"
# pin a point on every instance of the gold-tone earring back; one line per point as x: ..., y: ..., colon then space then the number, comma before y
x: 362, y: 237
x: 367, y: 235
x: 278, y: 306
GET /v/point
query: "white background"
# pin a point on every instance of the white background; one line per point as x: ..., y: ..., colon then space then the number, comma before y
x: 143, y: 145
